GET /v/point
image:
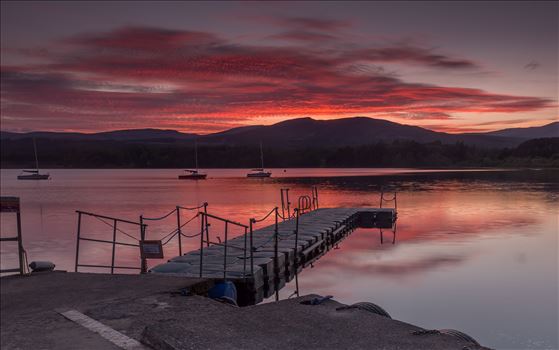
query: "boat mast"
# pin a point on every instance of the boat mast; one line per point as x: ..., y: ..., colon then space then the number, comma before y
x: 261, y: 156
x: 36, y: 158
x: 196, y: 154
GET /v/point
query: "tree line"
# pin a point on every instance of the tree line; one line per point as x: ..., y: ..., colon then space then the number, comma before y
x: 177, y: 154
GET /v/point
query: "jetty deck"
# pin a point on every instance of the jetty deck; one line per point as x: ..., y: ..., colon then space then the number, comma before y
x: 262, y: 261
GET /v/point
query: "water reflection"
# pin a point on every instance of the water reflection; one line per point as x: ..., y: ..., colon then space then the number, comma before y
x: 474, y: 251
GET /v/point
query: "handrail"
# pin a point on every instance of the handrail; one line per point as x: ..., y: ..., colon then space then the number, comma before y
x: 114, y: 241
x: 222, y: 219
x: 393, y: 199
x: 108, y: 217
x: 12, y: 204
x: 177, y: 232
x: 204, y: 227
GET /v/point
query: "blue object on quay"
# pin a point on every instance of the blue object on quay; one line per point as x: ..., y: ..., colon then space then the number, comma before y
x: 223, y: 290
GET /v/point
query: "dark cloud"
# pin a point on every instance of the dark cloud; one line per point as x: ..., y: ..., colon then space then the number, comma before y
x: 304, y: 36
x: 411, y: 54
x: 313, y: 23
x: 532, y: 65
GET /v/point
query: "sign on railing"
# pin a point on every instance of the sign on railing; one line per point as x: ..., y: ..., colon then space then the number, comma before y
x: 151, y: 249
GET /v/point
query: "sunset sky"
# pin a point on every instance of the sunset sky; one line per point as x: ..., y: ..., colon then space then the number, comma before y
x: 206, y: 67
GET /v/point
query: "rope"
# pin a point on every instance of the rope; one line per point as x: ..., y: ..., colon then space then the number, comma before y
x: 195, y: 208
x: 162, y: 217
x: 169, y: 240
x: 119, y: 230
x: 265, y: 217
x: 283, y: 217
x: 191, y: 236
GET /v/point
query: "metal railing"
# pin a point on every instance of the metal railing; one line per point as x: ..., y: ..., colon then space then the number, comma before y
x: 12, y: 205
x: 106, y: 220
x: 204, y: 228
x: 314, y: 190
x: 285, y: 203
x: 393, y: 199
x: 305, y: 203
x: 393, y: 230
x: 177, y: 232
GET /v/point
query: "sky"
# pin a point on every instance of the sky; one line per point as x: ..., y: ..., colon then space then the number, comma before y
x: 205, y: 67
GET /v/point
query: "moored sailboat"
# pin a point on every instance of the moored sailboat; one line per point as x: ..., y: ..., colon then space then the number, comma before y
x: 260, y: 172
x: 193, y: 174
x: 33, y: 174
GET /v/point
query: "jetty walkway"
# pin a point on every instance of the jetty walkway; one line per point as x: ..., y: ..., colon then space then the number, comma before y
x: 260, y: 262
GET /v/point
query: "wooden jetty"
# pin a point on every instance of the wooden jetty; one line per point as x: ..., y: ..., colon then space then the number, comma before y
x: 260, y: 262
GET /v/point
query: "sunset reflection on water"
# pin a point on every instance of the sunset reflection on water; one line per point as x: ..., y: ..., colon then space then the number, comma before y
x: 474, y: 251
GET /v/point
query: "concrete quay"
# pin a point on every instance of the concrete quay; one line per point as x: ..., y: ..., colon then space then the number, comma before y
x: 154, y: 312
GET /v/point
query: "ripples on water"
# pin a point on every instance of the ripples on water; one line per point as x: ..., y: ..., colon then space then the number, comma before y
x: 474, y: 251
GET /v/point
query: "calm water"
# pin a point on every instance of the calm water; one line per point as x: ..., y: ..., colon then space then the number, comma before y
x: 473, y: 251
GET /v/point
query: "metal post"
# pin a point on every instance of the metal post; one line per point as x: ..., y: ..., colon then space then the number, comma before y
x: 225, y: 252
x: 276, y: 266
x: 245, y: 257
x: 287, y: 198
x: 296, y: 262
x: 251, y: 249
x: 282, y: 204
x: 114, y: 247
x: 78, y: 241
x: 202, y: 241
x: 381, y: 198
x: 179, y: 229
x: 207, y: 225
x: 19, y: 242
x: 395, y: 203
x: 144, y: 263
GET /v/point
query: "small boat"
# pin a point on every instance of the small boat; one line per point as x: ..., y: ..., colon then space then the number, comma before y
x: 190, y: 174
x: 260, y: 172
x: 33, y: 174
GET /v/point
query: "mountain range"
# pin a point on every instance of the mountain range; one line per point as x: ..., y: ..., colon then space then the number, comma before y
x: 308, y: 132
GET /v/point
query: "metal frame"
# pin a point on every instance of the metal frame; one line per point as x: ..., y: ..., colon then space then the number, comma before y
x: 204, y: 227
x: 12, y: 205
x: 177, y: 232
x: 393, y: 199
x: 114, y: 242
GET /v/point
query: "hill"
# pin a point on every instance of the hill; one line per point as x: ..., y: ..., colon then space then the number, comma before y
x: 549, y: 130
x: 308, y: 132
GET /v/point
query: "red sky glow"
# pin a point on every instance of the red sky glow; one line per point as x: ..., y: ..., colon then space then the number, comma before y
x: 119, y: 73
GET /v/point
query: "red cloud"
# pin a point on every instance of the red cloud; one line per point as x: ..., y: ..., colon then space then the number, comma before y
x: 135, y: 77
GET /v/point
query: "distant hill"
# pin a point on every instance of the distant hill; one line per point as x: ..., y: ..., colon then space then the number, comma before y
x: 308, y: 132
x: 350, y: 142
x: 117, y: 135
x: 305, y: 132
x: 549, y: 130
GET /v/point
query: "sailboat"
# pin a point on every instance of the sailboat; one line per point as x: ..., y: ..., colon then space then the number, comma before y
x: 33, y: 174
x: 190, y: 174
x: 260, y: 172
